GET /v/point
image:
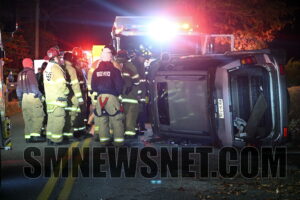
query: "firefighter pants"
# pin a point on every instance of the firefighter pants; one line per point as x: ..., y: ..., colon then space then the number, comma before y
x: 33, y: 115
x: 56, y: 122
x: 71, y: 115
x: 113, y: 118
x: 131, y: 111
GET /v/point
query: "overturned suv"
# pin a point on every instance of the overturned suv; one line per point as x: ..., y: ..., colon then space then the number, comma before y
x: 229, y: 99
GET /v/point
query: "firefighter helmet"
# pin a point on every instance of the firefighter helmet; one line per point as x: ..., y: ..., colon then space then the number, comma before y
x: 123, y: 54
x: 77, y: 51
x: 52, y: 52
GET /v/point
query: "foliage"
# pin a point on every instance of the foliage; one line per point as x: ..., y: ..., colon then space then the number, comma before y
x: 292, y: 70
x: 254, y: 23
x: 16, y: 48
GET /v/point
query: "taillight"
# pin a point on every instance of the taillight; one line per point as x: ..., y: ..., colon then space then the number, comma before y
x: 248, y: 60
x: 281, y: 70
x: 285, y: 132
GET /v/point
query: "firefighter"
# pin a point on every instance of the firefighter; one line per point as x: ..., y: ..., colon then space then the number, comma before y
x: 81, y: 120
x: 40, y: 80
x: 130, y: 93
x: 31, y: 100
x: 74, y: 97
x: 107, y: 82
x: 56, y: 92
x: 141, y: 56
x: 92, y: 95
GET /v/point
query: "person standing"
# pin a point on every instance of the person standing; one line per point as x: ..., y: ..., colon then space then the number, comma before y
x: 108, y: 83
x: 130, y: 93
x: 139, y: 61
x: 31, y: 102
x: 74, y: 97
x: 40, y: 80
x: 81, y: 120
x: 56, y: 92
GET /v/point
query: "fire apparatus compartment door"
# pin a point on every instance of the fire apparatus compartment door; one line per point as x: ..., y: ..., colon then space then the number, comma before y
x: 182, y: 104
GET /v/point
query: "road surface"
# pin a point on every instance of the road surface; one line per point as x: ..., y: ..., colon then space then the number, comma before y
x: 16, y: 185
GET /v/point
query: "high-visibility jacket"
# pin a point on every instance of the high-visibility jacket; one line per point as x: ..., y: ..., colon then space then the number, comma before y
x: 131, y: 81
x: 55, y: 84
x: 142, y: 91
x: 74, y: 87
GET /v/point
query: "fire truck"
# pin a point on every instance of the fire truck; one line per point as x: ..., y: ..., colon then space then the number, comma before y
x: 203, y: 91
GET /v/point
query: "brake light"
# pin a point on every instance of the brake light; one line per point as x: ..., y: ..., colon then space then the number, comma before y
x: 248, y: 60
x: 285, y: 132
x: 281, y: 70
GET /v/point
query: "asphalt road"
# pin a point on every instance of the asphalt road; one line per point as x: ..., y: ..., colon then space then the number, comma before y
x: 16, y: 185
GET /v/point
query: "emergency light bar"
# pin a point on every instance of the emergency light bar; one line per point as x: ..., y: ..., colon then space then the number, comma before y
x: 156, y: 27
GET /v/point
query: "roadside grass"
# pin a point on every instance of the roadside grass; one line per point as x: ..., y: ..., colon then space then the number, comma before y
x: 294, y: 115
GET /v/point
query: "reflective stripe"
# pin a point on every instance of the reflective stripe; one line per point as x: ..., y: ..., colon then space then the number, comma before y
x: 125, y: 74
x: 71, y: 108
x: 85, y: 120
x: 130, y: 133
x: 75, y: 129
x: 78, y: 110
x: 35, y: 134
x: 143, y: 80
x: 27, y: 136
x: 135, y: 76
x: 48, y: 133
x: 96, y: 128
x: 139, y: 91
x: 68, y: 134
x: 129, y: 100
x: 57, y: 103
x: 103, y: 139
x: 137, y: 83
x: 56, y: 136
x: 119, y: 139
x: 81, y: 82
x: 142, y: 100
x: 81, y: 128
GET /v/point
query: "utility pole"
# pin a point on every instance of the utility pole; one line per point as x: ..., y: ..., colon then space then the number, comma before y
x: 37, y: 27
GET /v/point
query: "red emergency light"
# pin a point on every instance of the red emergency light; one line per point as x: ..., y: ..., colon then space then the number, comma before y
x: 248, y: 60
x: 281, y: 70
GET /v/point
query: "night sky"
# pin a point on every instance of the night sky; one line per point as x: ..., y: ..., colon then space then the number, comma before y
x: 87, y: 22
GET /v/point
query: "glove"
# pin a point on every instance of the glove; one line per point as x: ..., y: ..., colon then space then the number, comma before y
x: 42, y: 98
